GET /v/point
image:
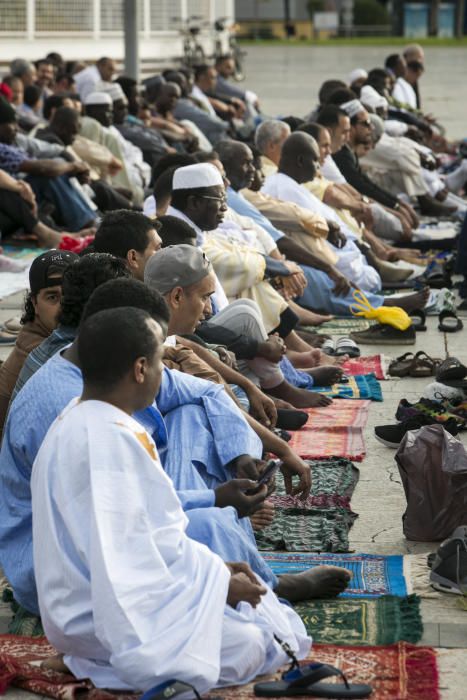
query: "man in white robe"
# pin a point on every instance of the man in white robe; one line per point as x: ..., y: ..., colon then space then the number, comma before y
x: 124, y: 594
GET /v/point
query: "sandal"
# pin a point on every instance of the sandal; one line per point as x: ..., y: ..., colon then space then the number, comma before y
x: 305, y: 680
x: 418, y: 320
x: 423, y: 365
x: 347, y: 346
x: 328, y: 346
x: 400, y: 367
x: 448, y: 322
x: 451, y: 368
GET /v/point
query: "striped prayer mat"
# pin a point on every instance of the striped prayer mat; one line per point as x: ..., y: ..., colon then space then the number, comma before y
x: 334, y: 431
x: 358, y: 387
x: 373, y: 575
x: 373, y: 364
x: 322, y: 522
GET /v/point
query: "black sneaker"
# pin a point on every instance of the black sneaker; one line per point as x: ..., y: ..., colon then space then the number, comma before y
x: 391, y: 435
x: 449, y: 568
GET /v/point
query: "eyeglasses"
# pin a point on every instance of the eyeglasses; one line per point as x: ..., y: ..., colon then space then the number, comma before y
x: 221, y: 200
x: 364, y: 122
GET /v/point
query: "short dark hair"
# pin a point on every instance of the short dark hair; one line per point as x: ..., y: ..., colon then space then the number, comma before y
x: 47, y: 61
x: 175, y: 231
x: 52, y: 102
x: 201, y: 70
x: 122, y: 230
x: 127, y: 292
x: 32, y: 95
x: 340, y: 96
x: 312, y: 128
x: 163, y: 185
x: 64, y: 116
x: 329, y: 115
x: 392, y: 61
x: 327, y: 88
x: 205, y: 156
x: 170, y: 160
x: 293, y: 122
x: 65, y: 76
x: 109, y: 343
x: 81, y: 278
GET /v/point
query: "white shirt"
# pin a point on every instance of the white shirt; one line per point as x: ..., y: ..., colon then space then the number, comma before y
x: 201, y: 97
x: 86, y: 80
x: 404, y: 92
x: 331, y: 172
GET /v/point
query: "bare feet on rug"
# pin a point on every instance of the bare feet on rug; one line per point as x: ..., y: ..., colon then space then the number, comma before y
x: 55, y: 663
x: 263, y: 516
x: 311, y: 318
x: 409, y: 302
x: 325, y: 375
x: 299, y: 398
x: 314, y: 339
x: 318, y: 582
x: 313, y: 358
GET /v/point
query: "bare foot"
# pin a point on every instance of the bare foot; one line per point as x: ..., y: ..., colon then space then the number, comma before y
x: 325, y: 375
x: 409, y: 302
x: 318, y: 582
x: 314, y: 339
x: 55, y: 663
x: 263, y: 517
x: 300, y: 398
x: 311, y: 318
x: 313, y: 358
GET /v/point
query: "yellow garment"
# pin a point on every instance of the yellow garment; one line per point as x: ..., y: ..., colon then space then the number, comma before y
x: 302, y: 225
x: 96, y: 155
x: 268, y: 166
x: 390, y: 315
x: 240, y: 270
x: 318, y: 187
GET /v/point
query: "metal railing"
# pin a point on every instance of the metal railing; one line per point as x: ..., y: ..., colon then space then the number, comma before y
x: 101, y: 18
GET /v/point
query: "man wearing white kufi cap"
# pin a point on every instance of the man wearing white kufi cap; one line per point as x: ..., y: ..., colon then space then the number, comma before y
x: 198, y: 197
x: 97, y: 125
x: 357, y: 78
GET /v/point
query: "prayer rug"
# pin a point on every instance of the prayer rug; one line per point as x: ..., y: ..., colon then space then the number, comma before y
x: 339, y: 326
x: 363, y: 621
x: 322, y: 522
x: 374, y: 364
x: 373, y: 575
x: 334, y: 431
x: 358, y: 387
x: 397, y: 672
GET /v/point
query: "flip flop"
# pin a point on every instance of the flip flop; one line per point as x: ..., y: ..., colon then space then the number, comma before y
x: 448, y: 322
x: 451, y: 368
x: 305, y: 681
x: 328, y: 347
x: 418, y: 320
x: 347, y: 346
x: 400, y: 367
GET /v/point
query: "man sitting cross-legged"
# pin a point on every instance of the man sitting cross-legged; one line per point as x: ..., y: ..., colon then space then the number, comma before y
x: 130, y: 600
x: 212, y: 522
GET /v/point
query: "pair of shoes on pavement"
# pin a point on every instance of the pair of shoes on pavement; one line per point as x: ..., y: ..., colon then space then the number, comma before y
x: 412, y: 418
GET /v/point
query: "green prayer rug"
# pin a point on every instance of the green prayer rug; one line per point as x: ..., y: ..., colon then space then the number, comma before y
x: 322, y: 522
x: 339, y: 326
x: 363, y: 622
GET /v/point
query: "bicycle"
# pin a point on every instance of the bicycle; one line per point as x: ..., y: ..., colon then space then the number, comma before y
x: 193, y: 52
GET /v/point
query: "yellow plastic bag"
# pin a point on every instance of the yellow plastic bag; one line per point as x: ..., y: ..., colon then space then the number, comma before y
x: 390, y: 315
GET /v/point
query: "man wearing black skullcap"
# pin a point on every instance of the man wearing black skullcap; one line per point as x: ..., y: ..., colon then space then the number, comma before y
x: 41, y: 309
x: 49, y: 179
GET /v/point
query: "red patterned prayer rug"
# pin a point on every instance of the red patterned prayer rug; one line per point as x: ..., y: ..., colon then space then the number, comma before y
x: 374, y: 364
x: 397, y: 672
x: 334, y: 431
